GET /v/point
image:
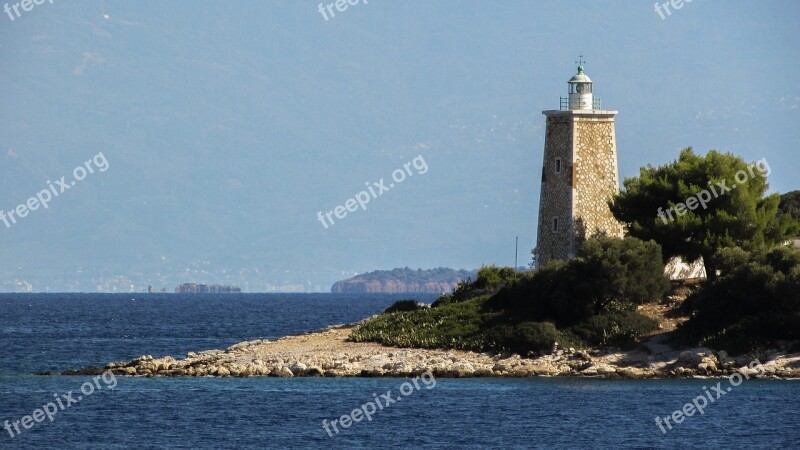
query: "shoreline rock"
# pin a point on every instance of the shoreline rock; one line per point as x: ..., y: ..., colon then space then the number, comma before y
x: 328, y: 353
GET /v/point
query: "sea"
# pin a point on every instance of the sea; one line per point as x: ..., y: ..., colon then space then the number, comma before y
x: 48, y: 333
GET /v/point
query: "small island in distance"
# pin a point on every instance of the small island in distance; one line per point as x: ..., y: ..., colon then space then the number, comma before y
x: 400, y: 281
x: 196, y: 288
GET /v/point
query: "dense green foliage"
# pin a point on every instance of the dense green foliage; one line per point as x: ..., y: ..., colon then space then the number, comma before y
x: 593, y: 299
x: 526, y: 337
x: 455, y: 325
x: 492, y: 277
x: 733, y: 216
x: 790, y: 206
x: 755, y: 303
x: 614, y: 328
x: 609, y: 269
x: 790, y: 203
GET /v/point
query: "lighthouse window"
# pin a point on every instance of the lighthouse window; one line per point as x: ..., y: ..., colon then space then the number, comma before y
x: 558, y: 165
x: 555, y: 224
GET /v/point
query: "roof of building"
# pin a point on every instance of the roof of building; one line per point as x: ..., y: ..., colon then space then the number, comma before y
x: 580, y: 77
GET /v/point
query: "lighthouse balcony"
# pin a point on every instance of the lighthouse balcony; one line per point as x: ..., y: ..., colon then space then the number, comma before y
x: 577, y: 103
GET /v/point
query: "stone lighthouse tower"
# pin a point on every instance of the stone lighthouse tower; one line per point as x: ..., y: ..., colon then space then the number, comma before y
x: 579, y: 173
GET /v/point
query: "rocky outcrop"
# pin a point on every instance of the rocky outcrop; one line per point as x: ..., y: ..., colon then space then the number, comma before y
x: 328, y: 353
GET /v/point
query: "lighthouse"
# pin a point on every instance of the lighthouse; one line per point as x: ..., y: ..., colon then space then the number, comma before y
x: 579, y: 173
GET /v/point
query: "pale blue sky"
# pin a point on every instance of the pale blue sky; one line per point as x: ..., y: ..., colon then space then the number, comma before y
x: 228, y: 125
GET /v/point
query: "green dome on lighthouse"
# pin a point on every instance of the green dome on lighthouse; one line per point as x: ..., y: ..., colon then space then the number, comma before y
x: 580, y: 77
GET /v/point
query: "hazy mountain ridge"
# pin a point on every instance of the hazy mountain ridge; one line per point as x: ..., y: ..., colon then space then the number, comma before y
x: 405, y: 280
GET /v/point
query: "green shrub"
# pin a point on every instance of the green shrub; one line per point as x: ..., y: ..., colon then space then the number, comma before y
x: 404, y: 305
x: 611, y: 275
x: 465, y: 290
x: 493, y: 277
x: 457, y: 325
x: 628, y: 269
x: 616, y: 329
x: 507, y: 274
x: 525, y: 337
x: 752, y: 305
x: 488, y: 276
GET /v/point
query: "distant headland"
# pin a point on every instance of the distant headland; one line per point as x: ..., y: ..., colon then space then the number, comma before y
x: 401, y: 281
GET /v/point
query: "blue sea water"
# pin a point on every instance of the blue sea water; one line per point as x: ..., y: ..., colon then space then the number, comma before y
x: 53, y: 332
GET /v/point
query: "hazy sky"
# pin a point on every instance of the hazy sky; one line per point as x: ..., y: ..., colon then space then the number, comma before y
x: 227, y: 127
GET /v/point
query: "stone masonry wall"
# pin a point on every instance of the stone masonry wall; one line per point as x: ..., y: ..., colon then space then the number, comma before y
x: 595, y: 177
x: 556, y: 193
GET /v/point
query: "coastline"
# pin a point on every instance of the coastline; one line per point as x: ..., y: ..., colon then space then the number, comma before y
x: 327, y: 352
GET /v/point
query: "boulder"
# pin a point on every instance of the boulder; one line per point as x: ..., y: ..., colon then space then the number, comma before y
x: 483, y: 372
x: 543, y: 369
x: 689, y: 358
x: 374, y: 372
x: 314, y: 372
x: 684, y: 372
x: 605, y: 369
x: 708, y: 366
x: 462, y: 369
x: 298, y: 368
x: 283, y: 372
x: 745, y: 370
x: 633, y: 373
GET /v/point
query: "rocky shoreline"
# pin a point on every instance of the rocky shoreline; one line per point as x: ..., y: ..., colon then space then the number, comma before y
x: 328, y: 353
